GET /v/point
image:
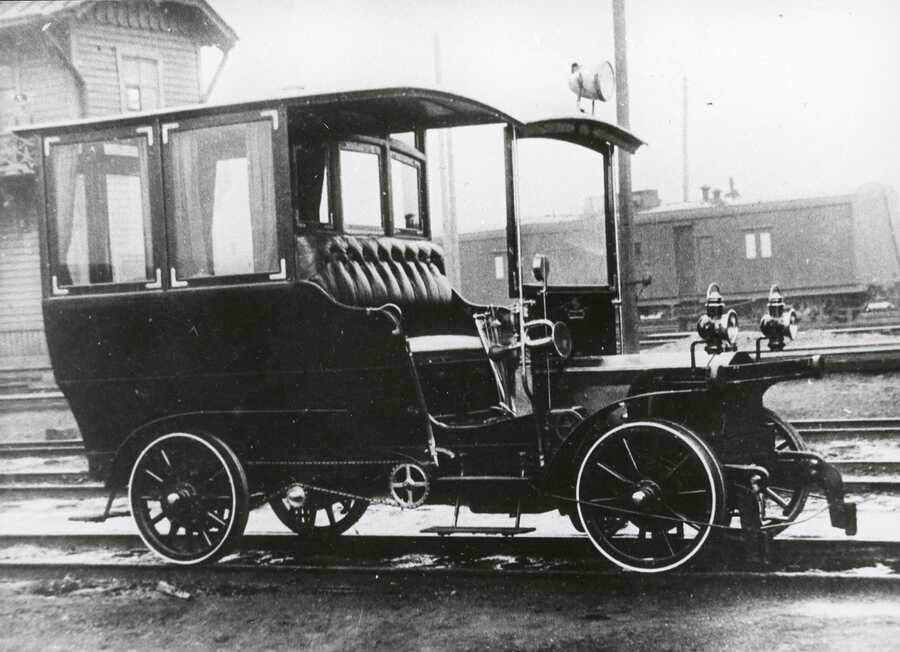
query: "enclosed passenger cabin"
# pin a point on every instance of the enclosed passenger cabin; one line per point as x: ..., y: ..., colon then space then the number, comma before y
x: 222, y: 268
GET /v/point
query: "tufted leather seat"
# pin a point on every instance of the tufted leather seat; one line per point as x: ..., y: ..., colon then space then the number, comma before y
x: 368, y: 271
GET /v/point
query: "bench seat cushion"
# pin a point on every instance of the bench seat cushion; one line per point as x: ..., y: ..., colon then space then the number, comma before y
x: 369, y: 271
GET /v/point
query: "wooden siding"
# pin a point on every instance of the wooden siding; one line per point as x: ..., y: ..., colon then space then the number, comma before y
x: 20, y: 284
x: 48, y: 87
x: 95, y: 49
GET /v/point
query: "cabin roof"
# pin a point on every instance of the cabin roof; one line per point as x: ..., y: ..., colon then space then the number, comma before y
x: 21, y: 13
x: 393, y: 109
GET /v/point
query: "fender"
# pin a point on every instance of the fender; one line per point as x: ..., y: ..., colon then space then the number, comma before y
x: 237, y: 428
x: 558, y: 476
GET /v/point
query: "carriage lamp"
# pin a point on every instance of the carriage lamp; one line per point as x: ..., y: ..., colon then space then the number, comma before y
x: 718, y: 328
x: 780, y: 323
x: 557, y: 337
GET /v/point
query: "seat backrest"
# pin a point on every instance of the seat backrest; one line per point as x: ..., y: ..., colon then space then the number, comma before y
x: 368, y: 271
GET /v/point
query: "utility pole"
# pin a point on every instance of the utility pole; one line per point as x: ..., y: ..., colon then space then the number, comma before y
x: 685, y: 180
x: 627, y: 285
x: 452, y: 262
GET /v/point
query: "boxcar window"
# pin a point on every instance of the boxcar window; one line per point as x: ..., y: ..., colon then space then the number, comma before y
x: 405, y: 179
x: 222, y: 200
x: 750, y: 245
x: 361, y: 187
x: 101, y: 225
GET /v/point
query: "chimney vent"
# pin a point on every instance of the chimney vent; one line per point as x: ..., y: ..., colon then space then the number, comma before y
x: 705, y: 191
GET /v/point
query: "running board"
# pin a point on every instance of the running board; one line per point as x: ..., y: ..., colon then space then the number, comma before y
x: 444, y: 530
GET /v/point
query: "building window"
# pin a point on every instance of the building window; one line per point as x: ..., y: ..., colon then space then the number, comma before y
x: 101, y: 224
x: 223, y: 200
x: 139, y: 77
x: 758, y: 244
x: 499, y: 266
x: 637, y: 251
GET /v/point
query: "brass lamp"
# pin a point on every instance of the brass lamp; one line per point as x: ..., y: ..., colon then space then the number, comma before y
x: 718, y: 328
x: 780, y: 322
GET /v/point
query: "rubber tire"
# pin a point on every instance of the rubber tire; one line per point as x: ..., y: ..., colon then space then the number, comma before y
x: 240, y: 508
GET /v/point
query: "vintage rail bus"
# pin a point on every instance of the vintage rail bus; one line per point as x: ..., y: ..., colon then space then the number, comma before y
x: 243, y: 305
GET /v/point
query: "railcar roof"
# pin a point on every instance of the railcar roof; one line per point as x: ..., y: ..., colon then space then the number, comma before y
x: 392, y: 109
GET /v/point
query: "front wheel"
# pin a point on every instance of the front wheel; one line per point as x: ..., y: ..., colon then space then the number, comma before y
x: 189, y: 497
x: 649, y: 494
x: 787, y: 493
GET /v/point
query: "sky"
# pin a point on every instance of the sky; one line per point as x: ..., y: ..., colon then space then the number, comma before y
x: 790, y: 99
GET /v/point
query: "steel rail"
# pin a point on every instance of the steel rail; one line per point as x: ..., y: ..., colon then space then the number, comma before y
x: 423, y: 554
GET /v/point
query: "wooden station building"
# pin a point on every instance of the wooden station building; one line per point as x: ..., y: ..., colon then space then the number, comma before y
x: 69, y: 59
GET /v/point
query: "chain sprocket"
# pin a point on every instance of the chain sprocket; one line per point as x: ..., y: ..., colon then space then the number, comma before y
x: 409, y: 485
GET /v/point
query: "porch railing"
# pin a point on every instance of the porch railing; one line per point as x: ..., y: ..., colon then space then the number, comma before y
x: 16, y: 156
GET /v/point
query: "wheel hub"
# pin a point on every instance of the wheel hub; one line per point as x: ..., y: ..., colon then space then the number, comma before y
x: 646, y: 495
x: 180, y: 502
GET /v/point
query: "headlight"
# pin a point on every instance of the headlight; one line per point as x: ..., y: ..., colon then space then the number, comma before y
x: 718, y: 328
x: 780, y: 322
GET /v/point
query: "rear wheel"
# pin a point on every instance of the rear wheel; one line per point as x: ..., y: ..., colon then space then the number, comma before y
x: 650, y: 494
x: 321, y: 516
x: 189, y: 497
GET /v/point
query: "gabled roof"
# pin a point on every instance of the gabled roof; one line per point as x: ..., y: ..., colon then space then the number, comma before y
x: 20, y: 13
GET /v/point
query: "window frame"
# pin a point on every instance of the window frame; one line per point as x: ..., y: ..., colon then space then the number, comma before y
x: 300, y: 223
x: 335, y: 190
x: 385, y: 148
x: 759, y: 237
x: 755, y: 233
x: 157, y: 225
x: 276, y: 117
x: 400, y: 151
x: 138, y: 53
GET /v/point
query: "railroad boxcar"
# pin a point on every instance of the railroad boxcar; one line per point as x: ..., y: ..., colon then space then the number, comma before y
x: 243, y: 306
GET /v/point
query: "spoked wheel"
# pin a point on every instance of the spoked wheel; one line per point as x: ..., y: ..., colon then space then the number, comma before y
x: 649, y: 495
x: 189, y: 497
x: 320, y: 517
x: 786, y: 495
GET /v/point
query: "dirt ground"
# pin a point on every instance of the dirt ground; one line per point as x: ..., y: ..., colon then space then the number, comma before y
x: 411, y: 612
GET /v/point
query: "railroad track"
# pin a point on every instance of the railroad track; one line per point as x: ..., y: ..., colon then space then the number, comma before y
x: 528, y: 555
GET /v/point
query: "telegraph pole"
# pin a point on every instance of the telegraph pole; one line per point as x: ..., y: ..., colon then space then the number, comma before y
x: 450, y: 238
x: 627, y: 285
x: 685, y: 187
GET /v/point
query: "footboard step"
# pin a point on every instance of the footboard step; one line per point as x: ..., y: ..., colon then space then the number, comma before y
x: 100, y: 518
x: 444, y: 530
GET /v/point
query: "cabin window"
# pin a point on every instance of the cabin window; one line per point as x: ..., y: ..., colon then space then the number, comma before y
x: 311, y: 164
x: 406, y: 174
x: 139, y: 77
x: 361, y: 192
x: 222, y: 200
x: 101, y: 229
